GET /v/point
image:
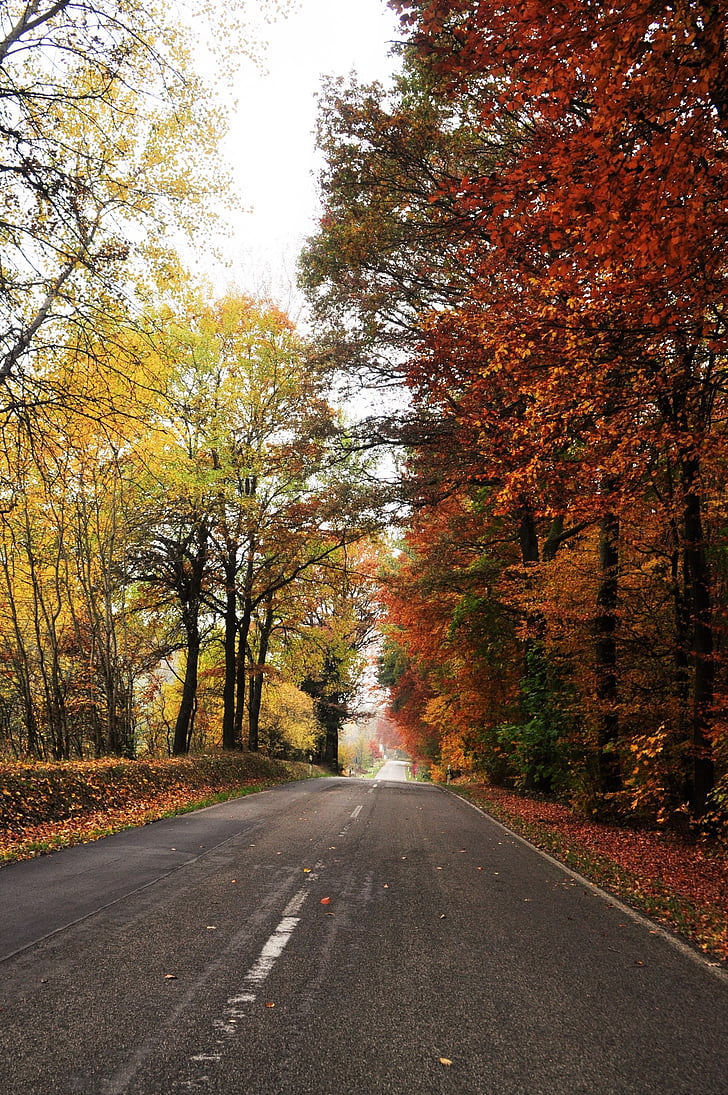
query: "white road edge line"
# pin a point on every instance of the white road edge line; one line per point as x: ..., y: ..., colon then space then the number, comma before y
x: 643, y: 920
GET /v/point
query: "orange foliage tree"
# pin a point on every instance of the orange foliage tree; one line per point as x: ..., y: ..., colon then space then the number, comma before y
x: 565, y: 316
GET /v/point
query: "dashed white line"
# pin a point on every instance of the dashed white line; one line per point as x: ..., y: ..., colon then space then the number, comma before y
x: 356, y: 812
x: 272, y: 950
x: 235, y: 1006
x: 296, y: 902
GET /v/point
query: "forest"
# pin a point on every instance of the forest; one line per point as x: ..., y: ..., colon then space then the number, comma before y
x: 186, y: 534
x: 526, y: 233
x: 523, y: 244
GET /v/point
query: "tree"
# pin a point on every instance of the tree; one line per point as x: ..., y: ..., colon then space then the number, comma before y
x: 619, y: 315
x: 75, y: 647
x: 251, y: 495
x: 335, y: 632
x: 391, y: 243
x: 576, y: 362
x: 107, y: 144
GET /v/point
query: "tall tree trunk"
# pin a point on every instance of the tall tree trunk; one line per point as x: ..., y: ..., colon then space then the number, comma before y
x: 229, y: 740
x: 330, y: 714
x: 241, y: 670
x: 553, y: 539
x: 192, y: 566
x: 698, y: 597
x: 605, y: 655
x: 527, y: 536
x: 236, y: 657
x: 36, y: 745
x: 186, y: 714
x: 681, y: 655
x: 256, y: 680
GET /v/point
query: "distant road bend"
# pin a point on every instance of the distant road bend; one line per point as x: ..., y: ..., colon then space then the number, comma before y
x: 342, y: 937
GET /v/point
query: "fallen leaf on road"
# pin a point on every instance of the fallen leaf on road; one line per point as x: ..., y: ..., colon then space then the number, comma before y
x: 170, y: 977
x: 307, y: 870
x: 212, y: 927
x: 443, y: 916
x: 445, y: 1061
x: 325, y: 900
x: 269, y: 1004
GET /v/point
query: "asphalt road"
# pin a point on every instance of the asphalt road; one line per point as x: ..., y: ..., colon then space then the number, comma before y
x: 341, y: 937
x: 393, y: 770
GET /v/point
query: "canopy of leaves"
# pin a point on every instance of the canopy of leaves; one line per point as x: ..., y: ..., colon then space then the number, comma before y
x: 531, y: 229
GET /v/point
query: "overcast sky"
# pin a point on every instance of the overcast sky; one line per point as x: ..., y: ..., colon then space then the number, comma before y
x: 271, y: 142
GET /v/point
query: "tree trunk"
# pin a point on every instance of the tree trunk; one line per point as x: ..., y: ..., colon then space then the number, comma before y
x: 241, y: 653
x: 256, y: 680
x: 605, y: 651
x: 331, y: 718
x: 527, y: 536
x: 192, y: 568
x: 186, y: 714
x: 229, y: 740
x: 699, y: 607
x: 241, y: 671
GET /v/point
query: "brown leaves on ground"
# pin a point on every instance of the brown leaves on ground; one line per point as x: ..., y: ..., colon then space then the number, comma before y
x: 54, y: 805
x: 31, y: 840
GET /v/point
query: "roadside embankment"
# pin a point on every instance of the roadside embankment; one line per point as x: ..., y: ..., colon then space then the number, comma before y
x: 44, y: 806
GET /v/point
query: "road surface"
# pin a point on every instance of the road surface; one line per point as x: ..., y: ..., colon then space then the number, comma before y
x: 393, y: 770
x: 341, y: 936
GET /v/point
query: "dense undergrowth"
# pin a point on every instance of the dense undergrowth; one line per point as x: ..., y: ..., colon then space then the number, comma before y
x: 49, y: 806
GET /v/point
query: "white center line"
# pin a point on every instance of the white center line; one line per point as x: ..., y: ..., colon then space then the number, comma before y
x: 356, y: 812
x: 226, y: 1025
x: 272, y: 949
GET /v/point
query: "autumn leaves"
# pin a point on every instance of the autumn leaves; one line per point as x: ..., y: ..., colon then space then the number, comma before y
x: 527, y: 230
x: 170, y: 467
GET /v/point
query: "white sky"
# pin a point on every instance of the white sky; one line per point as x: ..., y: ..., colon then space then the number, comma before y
x: 271, y: 141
